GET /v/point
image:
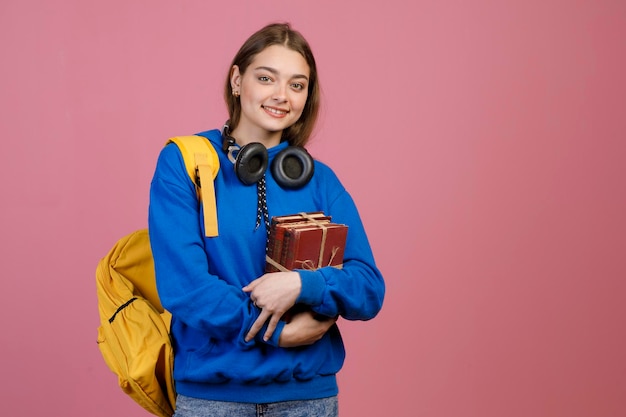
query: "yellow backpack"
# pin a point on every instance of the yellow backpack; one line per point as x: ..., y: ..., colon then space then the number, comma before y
x: 133, y: 335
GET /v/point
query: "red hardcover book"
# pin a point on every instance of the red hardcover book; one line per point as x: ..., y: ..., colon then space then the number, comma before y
x: 277, y: 229
x: 313, y: 246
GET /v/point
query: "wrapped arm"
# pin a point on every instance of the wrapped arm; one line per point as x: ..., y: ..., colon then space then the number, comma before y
x: 356, y: 291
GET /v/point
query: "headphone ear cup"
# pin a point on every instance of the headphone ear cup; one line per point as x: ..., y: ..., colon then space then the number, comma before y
x: 293, y: 167
x: 251, y: 163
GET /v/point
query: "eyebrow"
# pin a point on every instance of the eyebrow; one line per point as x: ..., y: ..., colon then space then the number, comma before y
x: 275, y: 72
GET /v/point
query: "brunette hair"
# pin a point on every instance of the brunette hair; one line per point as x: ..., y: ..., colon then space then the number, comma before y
x: 278, y: 34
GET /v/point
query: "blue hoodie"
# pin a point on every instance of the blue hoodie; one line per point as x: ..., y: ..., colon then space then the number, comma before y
x: 200, y: 282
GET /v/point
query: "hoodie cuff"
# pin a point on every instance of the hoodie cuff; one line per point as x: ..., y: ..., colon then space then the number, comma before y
x: 313, y: 286
x: 273, y: 341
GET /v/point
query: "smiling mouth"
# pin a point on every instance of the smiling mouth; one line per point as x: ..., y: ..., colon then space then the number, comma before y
x: 277, y: 112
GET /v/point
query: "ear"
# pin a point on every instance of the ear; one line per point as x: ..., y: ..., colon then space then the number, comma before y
x: 235, y: 77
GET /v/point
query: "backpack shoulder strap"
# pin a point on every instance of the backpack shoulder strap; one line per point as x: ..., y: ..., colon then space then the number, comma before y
x: 202, y: 164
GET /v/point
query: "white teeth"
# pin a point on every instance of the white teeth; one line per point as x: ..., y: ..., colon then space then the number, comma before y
x: 275, y: 111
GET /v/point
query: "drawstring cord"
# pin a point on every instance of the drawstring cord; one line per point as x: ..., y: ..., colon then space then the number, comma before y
x: 261, y: 212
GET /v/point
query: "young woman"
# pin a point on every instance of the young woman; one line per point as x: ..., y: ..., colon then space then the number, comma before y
x: 235, y: 354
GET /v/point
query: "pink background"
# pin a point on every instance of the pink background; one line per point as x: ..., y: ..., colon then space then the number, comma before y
x: 483, y: 142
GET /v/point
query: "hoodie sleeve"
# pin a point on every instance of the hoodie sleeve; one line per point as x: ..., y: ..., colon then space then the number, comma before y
x: 356, y: 291
x: 185, y: 286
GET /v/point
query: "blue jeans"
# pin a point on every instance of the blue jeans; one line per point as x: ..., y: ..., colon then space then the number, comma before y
x: 195, y: 407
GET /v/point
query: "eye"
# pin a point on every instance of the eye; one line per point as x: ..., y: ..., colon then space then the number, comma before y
x: 297, y: 86
x: 264, y: 78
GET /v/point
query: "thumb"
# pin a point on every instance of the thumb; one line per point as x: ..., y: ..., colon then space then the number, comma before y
x: 251, y: 286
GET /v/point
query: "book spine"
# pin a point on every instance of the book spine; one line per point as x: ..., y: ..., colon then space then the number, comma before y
x: 275, y: 246
x: 288, y: 249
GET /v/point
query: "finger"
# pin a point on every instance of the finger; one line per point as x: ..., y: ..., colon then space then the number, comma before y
x: 258, y: 324
x: 251, y: 286
x: 271, y: 327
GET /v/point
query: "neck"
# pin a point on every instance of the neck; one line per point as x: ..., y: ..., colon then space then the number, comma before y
x: 243, y: 137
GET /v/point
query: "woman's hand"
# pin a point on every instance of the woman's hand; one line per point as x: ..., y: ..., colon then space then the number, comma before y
x: 305, y: 328
x: 274, y: 294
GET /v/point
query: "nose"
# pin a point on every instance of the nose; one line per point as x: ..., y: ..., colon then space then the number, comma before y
x: 280, y: 93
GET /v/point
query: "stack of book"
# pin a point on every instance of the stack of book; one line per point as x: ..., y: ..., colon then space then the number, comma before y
x: 305, y: 241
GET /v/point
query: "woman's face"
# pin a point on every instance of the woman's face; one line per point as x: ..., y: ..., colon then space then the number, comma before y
x: 273, y: 92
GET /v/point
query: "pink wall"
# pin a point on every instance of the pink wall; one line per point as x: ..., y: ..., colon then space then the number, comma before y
x: 483, y: 142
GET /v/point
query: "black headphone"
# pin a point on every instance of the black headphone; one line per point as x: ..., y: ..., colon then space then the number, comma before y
x: 292, y: 168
